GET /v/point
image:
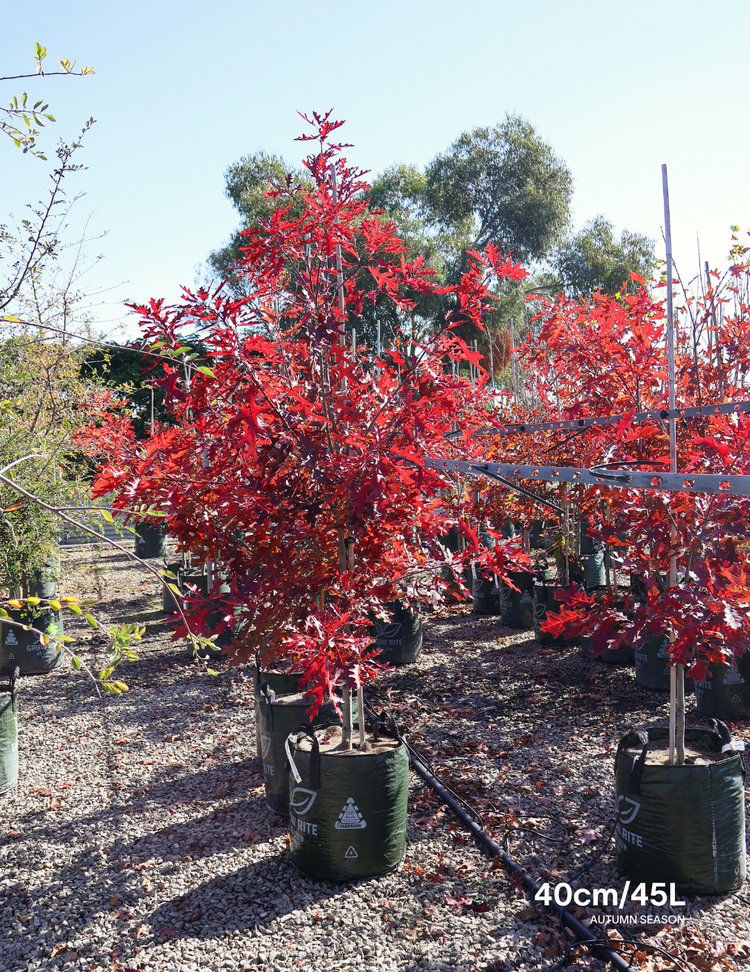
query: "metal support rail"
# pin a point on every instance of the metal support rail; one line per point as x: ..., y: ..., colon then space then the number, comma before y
x: 623, y: 478
x: 653, y: 415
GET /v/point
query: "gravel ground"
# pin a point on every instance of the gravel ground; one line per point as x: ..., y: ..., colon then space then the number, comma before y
x: 138, y: 836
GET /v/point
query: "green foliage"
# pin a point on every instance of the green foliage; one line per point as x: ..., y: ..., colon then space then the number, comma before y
x: 510, y: 182
x: 124, y: 367
x: 42, y: 391
x: 594, y: 260
x: 247, y: 183
x: 22, y: 121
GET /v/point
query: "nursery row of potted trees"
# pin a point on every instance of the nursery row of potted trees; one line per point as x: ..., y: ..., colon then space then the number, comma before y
x: 293, y: 464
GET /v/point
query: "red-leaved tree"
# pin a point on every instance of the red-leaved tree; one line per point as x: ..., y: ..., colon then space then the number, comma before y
x: 294, y: 459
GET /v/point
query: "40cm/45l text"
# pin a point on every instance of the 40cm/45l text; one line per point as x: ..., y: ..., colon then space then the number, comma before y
x: 643, y: 894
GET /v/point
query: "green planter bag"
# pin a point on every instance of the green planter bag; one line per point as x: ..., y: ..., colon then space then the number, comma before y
x: 347, y: 811
x: 726, y: 692
x: 8, y: 735
x: 652, y: 664
x: 681, y: 825
x: 517, y: 607
x: 275, y: 717
x: 24, y: 649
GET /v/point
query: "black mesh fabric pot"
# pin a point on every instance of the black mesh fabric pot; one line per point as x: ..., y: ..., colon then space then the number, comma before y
x: 681, y: 825
x: 348, y: 811
x: 517, y: 607
x: 8, y: 735
x: 400, y: 639
x: 150, y: 541
x: 485, y: 595
x: 24, y: 649
x: 726, y: 692
x: 544, y: 604
x: 652, y: 664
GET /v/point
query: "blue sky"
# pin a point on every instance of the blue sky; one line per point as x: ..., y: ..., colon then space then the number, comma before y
x: 182, y: 90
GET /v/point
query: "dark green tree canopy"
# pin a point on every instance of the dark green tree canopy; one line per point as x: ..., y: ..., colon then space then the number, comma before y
x: 247, y: 184
x: 510, y: 182
x: 594, y: 259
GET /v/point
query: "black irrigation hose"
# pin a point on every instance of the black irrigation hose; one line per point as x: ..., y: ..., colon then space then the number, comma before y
x: 582, y: 933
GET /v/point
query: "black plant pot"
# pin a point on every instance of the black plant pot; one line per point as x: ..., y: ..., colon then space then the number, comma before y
x: 544, y: 604
x: 150, y: 541
x: 24, y: 649
x: 168, y: 601
x: 199, y: 580
x: 485, y: 595
x: 622, y: 655
x: 8, y: 735
x: 517, y: 607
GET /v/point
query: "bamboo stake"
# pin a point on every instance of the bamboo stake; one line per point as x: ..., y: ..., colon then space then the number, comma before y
x: 676, y: 672
x: 339, y: 273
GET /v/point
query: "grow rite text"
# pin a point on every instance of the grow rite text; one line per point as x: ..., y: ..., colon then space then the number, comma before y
x: 562, y: 894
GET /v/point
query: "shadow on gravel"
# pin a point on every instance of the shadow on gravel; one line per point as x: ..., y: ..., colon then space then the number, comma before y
x: 127, y: 871
x: 251, y: 896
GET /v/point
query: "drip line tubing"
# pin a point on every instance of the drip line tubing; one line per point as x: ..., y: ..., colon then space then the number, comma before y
x: 582, y: 934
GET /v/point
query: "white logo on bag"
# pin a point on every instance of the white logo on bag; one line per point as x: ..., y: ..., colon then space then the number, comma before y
x: 385, y: 630
x: 265, y: 746
x: 301, y: 800
x: 629, y: 815
x: 11, y: 639
x: 350, y: 854
x: 350, y: 818
x: 736, y: 698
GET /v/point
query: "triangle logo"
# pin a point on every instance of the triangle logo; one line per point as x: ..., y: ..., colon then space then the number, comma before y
x: 350, y: 818
x: 11, y: 656
x: 350, y: 854
x: 265, y: 747
x: 736, y: 698
x: 733, y: 677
